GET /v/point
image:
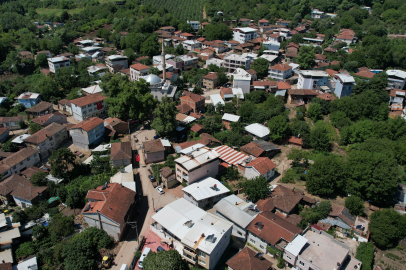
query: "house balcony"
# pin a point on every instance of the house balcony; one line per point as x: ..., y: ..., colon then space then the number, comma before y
x: 186, y: 177
x: 189, y: 252
x: 188, y: 258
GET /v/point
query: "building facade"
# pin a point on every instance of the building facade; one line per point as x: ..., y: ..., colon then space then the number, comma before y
x: 88, y: 106
x: 58, y: 62
x: 87, y: 133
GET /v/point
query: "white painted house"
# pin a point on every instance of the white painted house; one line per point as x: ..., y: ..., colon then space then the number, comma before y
x: 245, y: 34
x: 205, y: 192
x: 396, y: 78
x: 242, y: 79
x: 58, y: 62
x: 309, y: 79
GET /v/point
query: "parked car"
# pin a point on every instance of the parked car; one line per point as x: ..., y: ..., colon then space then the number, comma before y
x: 79, y: 154
x: 156, y: 137
x: 151, y: 177
x: 160, y: 190
x: 45, y: 168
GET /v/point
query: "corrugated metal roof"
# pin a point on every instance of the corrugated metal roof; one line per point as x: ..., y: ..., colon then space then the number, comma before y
x: 296, y: 245
x: 234, y: 213
x: 203, y: 189
x: 230, y: 155
x: 231, y: 117
x: 258, y: 130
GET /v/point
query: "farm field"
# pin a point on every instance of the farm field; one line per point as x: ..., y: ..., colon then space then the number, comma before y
x: 183, y: 9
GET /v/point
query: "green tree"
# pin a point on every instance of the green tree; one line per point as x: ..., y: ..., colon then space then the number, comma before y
x: 326, y: 176
x: 305, y: 57
x: 39, y: 232
x: 55, y: 45
x: 61, y: 226
x: 314, y: 112
x: 365, y: 253
x: 129, y: 52
x: 261, y: 67
x: 278, y: 128
x: 12, y: 61
x: 319, y: 139
x: 245, y: 111
x: 165, y: 122
x: 154, y: 70
x: 34, y: 127
x: 41, y: 60
x: 25, y: 249
x: 219, y: 31
x: 100, y: 164
x: 387, y: 227
x: 38, y: 179
x: 164, y: 260
x: 255, y: 189
x: 48, y: 89
x: 179, y: 50
x: 9, y: 147
x: 75, y: 198
x: 304, y: 7
x: 212, y: 124
x: 61, y: 161
x: 72, y: 48
x: 79, y: 254
x: 355, y: 205
x: 19, y: 216
x: 150, y: 46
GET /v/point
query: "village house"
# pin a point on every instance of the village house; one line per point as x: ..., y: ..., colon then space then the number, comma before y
x: 187, y: 36
x: 29, y: 172
x: 19, y: 190
x: 196, y: 163
x: 4, y: 134
x: 227, y: 94
x: 109, y: 207
x: 88, y: 106
x: 87, y: 133
x: 154, y: 151
x: 258, y: 131
x: 117, y: 126
x: 247, y: 258
x: 396, y: 78
x: 242, y: 79
x: 229, y: 118
x: 168, y: 177
x: 65, y: 105
x: 26, y: 55
x: 206, y: 140
x: 261, y: 166
x: 197, y: 128
x: 235, y: 61
x: 55, y: 117
x: 205, y: 192
x: 57, y: 63
x: 244, y: 34
x: 311, y: 79
x: 116, y: 63
x: 196, y: 102
x: 120, y: 154
x: 46, y: 52
x: 201, y: 237
x: 260, y: 148
x: 344, y: 85
x: 194, y: 24
x: 41, y: 108
x: 301, y: 96
x: 29, y: 99
x: 280, y: 71
x: 47, y: 139
x: 138, y: 71
x: 210, y: 81
x: 238, y: 212
x: 268, y: 230
x: 169, y: 29
x: 18, y: 161
x: 12, y: 123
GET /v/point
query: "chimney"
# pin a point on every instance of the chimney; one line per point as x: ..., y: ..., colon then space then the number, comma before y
x: 163, y: 61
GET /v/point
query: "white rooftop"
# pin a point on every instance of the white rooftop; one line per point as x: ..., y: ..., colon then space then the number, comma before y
x: 197, y: 157
x: 231, y: 117
x: 192, y: 148
x: 30, y: 264
x: 397, y: 73
x: 177, y: 214
x: 29, y: 94
x: 93, y: 69
x: 314, y: 73
x: 345, y: 78
x: 246, y: 29
x: 165, y: 143
x: 189, y: 119
x: 86, y: 41
x: 238, y: 92
x: 125, y: 177
x: 92, y: 89
x: 296, y: 245
x: 116, y: 57
x: 20, y: 139
x: 241, y: 74
x: 57, y: 59
x: 258, y: 130
x: 268, y: 57
x: 206, y: 188
x: 236, y: 57
x: 216, y: 98
x: 92, y: 48
x: 102, y: 147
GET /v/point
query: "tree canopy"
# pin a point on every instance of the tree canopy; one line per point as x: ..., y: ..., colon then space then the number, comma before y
x: 164, y: 260
x: 165, y: 121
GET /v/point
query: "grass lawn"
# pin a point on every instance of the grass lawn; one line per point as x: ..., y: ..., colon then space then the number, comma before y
x: 57, y: 11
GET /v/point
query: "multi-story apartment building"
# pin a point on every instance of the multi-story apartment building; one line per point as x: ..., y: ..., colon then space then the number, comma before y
x: 189, y: 61
x: 18, y: 161
x: 210, y: 80
x: 280, y: 71
x: 87, y: 133
x: 137, y: 71
x: 196, y: 163
x: 205, y: 192
x: 396, y: 78
x: 200, y: 237
x: 47, y: 139
x: 245, y: 34
x: 234, y: 61
x: 88, y: 106
x: 242, y: 79
x: 195, y: 24
x: 309, y: 79
x: 116, y: 63
x: 58, y: 62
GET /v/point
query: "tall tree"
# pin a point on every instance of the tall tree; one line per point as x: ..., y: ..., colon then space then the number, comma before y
x: 61, y: 161
x: 261, y: 66
x: 278, y: 128
x: 305, y: 57
x: 387, y: 227
x: 165, y: 117
x: 319, y: 139
x: 164, y: 260
x: 255, y: 189
x: 150, y: 46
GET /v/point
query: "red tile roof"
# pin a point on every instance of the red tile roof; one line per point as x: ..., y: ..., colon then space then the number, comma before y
x: 265, y: 83
x: 274, y: 228
x: 205, y: 139
x: 120, y: 150
x: 184, y: 108
x: 40, y: 107
x: 16, y: 158
x: 246, y: 260
x: 20, y: 187
x: 90, y: 99
x: 32, y: 170
x: 320, y: 57
x: 295, y: 140
x: 283, y: 85
x: 365, y: 73
x: 292, y: 44
x: 281, y: 67
x: 114, y: 202
x: 3, y: 130
x: 88, y: 124
x: 327, y: 96
x: 262, y: 165
x: 331, y: 72
x: 193, y: 96
x: 139, y: 66
x: 211, y: 76
x: 252, y: 149
x: 197, y: 128
x: 303, y: 92
x: 334, y: 63
x: 187, y: 35
x: 45, y: 133
x: 153, y: 146
x: 42, y: 119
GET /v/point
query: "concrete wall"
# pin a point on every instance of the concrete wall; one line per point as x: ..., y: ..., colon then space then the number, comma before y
x: 22, y: 203
x: 28, y: 103
x: 12, y: 125
x: 251, y: 172
x: 244, y: 85
x: 205, y: 202
x: 121, y: 162
x: 237, y: 231
x: 219, y: 249
x: 154, y: 157
x: 307, y: 83
x: 46, y: 147
x: 207, y: 170
x: 80, y: 138
x: 257, y: 242
x: 109, y: 226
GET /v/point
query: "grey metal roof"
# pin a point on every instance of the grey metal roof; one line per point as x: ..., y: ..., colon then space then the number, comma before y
x: 234, y: 213
x: 335, y: 222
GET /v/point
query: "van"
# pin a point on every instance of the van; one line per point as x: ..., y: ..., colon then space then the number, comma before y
x: 124, y: 267
x: 143, y: 255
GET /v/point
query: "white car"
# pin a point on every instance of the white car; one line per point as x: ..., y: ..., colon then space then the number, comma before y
x: 160, y: 190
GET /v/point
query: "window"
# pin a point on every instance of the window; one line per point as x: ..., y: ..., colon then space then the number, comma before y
x: 14, y: 167
x: 201, y: 254
x: 35, y: 155
x: 240, y: 233
x: 202, y: 262
x: 21, y: 163
x: 252, y: 241
x: 288, y: 257
x: 261, y: 246
x: 28, y: 159
x: 301, y: 263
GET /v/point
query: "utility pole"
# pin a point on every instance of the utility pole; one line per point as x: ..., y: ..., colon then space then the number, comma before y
x: 135, y: 225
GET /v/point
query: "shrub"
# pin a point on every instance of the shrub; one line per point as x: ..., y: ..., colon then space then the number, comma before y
x: 355, y: 205
x: 365, y: 253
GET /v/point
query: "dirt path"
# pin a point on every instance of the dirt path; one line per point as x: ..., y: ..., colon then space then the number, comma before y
x: 204, y: 13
